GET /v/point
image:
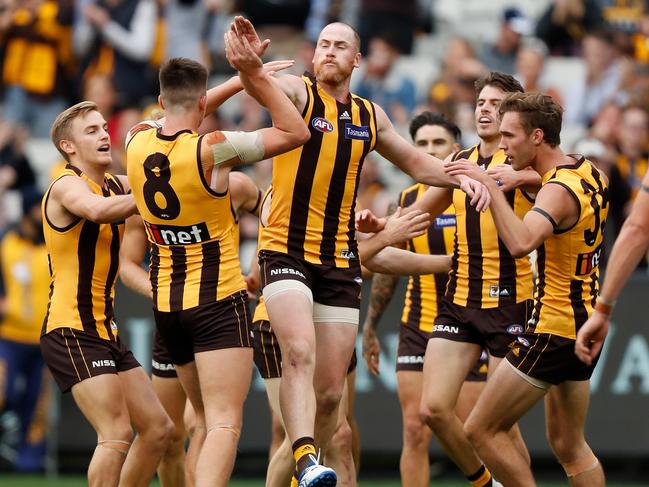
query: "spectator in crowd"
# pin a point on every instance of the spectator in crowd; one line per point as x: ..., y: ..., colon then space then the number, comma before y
x: 565, y: 22
x: 530, y: 64
x: 381, y: 83
x: 37, y: 61
x: 117, y: 37
x: 24, y: 288
x: 501, y: 56
x: 601, y: 81
x: 399, y: 17
x: 186, y: 28
x: 460, y: 69
x: 631, y: 163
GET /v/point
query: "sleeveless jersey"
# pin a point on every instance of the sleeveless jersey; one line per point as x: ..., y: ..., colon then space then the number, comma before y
x: 315, y: 185
x: 83, y: 262
x: 424, y: 292
x: 484, y: 274
x: 568, y: 261
x: 26, y: 281
x: 192, y: 229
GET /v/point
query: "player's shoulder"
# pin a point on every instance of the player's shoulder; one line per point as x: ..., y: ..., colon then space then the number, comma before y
x: 141, y: 127
x: 464, y: 153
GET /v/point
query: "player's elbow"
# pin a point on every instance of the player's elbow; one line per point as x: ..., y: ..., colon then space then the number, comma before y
x: 519, y: 250
x: 301, y: 135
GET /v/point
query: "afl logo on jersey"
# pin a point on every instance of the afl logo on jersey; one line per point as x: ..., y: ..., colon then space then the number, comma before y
x: 322, y: 125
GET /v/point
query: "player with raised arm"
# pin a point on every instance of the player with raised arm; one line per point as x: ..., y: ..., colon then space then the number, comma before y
x: 180, y: 184
x: 245, y: 198
x: 308, y: 253
x: 565, y: 226
x: 437, y: 136
x: 83, y: 220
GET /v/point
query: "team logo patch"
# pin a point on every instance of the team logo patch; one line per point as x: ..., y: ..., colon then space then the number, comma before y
x: 587, y: 262
x: 515, y: 329
x: 443, y: 221
x: 357, y: 132
x: 322, y: 125
x: 347, y: 254
x: 500, y: 291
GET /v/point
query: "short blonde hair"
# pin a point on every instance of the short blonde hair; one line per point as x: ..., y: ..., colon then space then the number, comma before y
x: 61, y: 126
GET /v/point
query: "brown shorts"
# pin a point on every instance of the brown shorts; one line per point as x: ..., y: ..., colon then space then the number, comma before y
x: 330, y: 285
x: 494, y: 329
x: 412, y: 350
x: 73, y: 356
x: 268, y: 356
x: 161, y: 364
x: 215, y: 326
x: 549, y: 358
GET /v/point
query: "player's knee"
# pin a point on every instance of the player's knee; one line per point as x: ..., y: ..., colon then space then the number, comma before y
x: 298, y: 353
x: 416, y: 433
x: 342, y: 438
x: 564, y: 446
x: 476, y: 432
x: 328, y: 400
x: 435, y: 415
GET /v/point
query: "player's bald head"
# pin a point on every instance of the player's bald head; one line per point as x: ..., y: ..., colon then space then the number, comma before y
x: 341, y: 30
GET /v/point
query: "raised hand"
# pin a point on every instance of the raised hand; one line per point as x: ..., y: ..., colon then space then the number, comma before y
x: 402, y: 226
x: 245, y: 29
x: 272, y: 67
x: 478, y: 192
x: 505, y: 176
x: 240, y: 55
x: 368, y: 222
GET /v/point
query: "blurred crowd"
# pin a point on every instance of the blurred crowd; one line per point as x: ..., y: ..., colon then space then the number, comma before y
x: 590, y: 55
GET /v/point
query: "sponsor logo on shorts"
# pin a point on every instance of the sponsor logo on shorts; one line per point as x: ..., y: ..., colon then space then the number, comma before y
x: 410, y: 359
x: 322, y: 125
x: 162, y: 367
x: 587, y: 262
x: 178, y: 235
x: 523, y: 341
x: 443, y: 221
x: 357, y: 132
x: 515, y: 329
x: 284, y: 271
x: 347, y: 254
x: 358, y: 280
x: 447, y: 329
x: 113, y: 326
x: 103, y: 363
x: 496, y: 291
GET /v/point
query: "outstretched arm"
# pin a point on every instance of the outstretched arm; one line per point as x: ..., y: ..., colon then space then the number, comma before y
x: 421, y: 166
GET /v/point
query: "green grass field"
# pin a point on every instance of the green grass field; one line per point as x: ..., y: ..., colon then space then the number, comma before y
x: 77, y: 481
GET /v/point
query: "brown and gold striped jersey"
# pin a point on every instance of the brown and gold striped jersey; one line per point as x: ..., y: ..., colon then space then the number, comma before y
x: 424, y: 292
x: 484, y: 274
x: 84, y: 262
x: 26, y: 280
x: 192, y: 228
x: 632, y: 171
x: 568, y: 261
x: 315, y: 185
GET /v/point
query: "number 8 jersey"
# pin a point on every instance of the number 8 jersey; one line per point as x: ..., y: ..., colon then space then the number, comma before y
x: 194, y: 257
x: 568, y: 261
